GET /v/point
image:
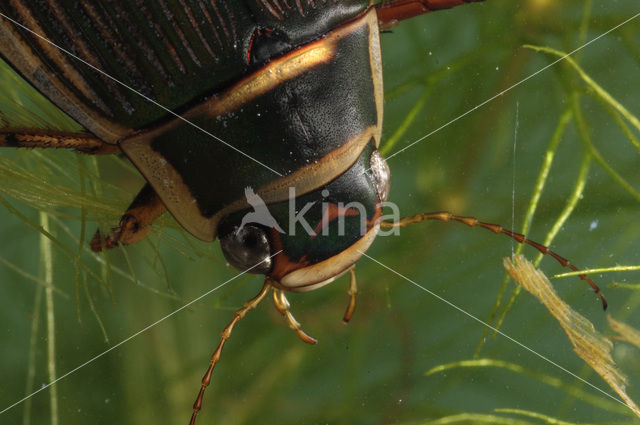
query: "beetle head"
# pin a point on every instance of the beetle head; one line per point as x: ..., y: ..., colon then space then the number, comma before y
x: 310, y: 239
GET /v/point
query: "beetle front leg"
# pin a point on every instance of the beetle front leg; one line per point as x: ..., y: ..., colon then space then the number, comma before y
x: 135, y: 223
x: 353, y: 290
x: 282, y: 305
x: 81, y: 142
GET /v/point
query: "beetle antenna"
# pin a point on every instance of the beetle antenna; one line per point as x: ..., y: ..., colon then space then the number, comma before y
x: 495, y: 228
x: 226, y: 334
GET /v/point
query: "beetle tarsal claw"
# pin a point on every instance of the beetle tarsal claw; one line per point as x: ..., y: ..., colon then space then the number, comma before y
x: 282, y: 305
x: 129, y: 231
x: 135, y: 223
x: 98, y: 243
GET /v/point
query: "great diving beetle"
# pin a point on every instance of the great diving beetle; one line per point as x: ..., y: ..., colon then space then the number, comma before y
x: 117, y: 120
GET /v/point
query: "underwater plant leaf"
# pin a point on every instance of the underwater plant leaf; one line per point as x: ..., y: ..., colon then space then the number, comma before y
x: 593, y: 347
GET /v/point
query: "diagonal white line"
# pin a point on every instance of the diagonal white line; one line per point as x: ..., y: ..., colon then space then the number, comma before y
x: 514, y: 86
x: 91, y: 360
x: 148, y: 99
x: 531, y: 350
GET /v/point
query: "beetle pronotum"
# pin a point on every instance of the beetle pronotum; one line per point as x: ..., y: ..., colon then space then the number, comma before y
x: 282, y: 303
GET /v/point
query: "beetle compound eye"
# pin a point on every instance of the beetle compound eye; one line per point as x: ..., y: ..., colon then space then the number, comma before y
x: 381, y: 175
x: 246, y: 247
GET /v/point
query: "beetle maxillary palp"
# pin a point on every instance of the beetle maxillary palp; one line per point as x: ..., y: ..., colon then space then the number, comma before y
x: 353, y: 290
x: 495, y: 228
x: 282, y: 305
x: 226, y: 334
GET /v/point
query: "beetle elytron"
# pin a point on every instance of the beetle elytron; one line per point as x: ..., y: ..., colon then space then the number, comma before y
x: 214, y: 100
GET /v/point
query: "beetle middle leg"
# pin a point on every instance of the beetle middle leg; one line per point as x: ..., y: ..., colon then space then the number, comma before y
x: 282, y: 305
x: 135, y: 223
